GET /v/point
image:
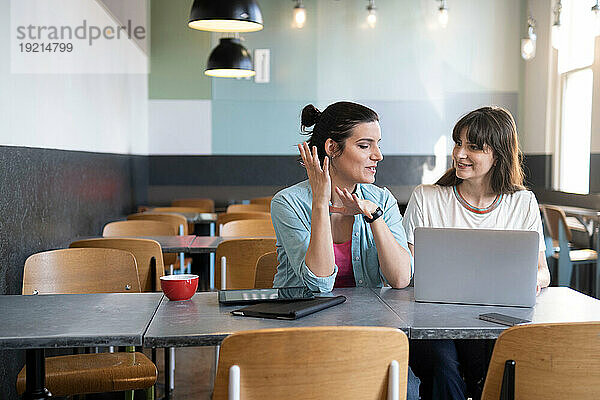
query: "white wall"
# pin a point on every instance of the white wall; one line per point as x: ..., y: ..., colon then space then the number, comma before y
x: 537, y: 130
x: 88, y: 112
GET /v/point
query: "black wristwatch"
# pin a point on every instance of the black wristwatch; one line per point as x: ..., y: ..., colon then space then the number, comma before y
x: 376, y: 214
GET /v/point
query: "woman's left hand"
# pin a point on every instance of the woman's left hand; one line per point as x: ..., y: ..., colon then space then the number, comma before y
x: 352, y: 205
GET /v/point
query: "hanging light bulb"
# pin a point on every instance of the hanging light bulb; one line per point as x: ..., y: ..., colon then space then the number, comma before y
x: 443, y: 14
x: 372, y: 15
x: 299, y: 15
x: 596, y: 12
x: 528, y: 43
x: 556, y: 26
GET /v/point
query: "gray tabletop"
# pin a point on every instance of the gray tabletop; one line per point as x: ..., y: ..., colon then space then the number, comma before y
x: 583, y: 212
x: 209, y: 244
x: 456, y: 321
x: 192, y: 217
x: 200, y: 218
x: 201, y: 321
x: 168, y: 244
x: 174, y: 244
x: 205, y: 244
x: 76, y: 320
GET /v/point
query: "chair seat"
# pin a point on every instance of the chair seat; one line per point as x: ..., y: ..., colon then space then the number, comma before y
x: 580, y: 255
x: 95, y: 373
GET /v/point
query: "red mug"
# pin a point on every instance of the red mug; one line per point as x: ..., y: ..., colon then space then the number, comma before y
x: 179, y: 287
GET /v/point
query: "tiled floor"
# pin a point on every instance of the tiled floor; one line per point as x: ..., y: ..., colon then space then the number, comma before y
x: 194, y: 369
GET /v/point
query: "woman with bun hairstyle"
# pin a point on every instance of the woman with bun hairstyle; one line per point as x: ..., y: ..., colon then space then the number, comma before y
x: 483, y: 189
x: 337, y: 229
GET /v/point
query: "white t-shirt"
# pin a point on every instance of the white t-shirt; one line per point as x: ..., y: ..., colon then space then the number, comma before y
x: 438, y: 207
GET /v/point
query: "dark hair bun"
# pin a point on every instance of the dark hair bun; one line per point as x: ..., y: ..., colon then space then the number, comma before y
x: 310, y: 115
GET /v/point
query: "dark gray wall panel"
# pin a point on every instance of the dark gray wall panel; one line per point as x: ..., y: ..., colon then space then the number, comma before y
x: 266, y: 170
x: 595, y: 173
x: 538, y: 170
x: 231, y: 179
x: 48, y: 198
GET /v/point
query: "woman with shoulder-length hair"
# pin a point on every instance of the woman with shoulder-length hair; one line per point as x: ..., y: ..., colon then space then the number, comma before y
x: 484, y: 189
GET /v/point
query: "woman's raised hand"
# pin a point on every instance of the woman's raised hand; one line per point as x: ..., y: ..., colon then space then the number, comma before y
x: 320, y: 181
x: 352, y: 205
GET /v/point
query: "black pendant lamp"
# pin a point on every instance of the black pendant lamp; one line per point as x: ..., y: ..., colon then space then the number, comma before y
x: 226, y: 16
x: 229, y: 60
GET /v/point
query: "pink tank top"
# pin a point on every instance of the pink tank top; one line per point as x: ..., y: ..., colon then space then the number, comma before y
x: 343, y: 259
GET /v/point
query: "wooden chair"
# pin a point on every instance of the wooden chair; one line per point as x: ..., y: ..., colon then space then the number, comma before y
x: 551, y: 361
x: 81, y: 271
x: 235, y: 208
x: 88, y: 270
x: 566, y: 258
x: 237, y: 258
x: 175, y: 210
x: 177, y: 220
x: 148, y: 256
x: 261, y: 200
x: 206, y: 204
x: 248, y: 227
x: 266, y: 267
x: 139, y: 228
x: 224, y: 218
x: 313, y: 363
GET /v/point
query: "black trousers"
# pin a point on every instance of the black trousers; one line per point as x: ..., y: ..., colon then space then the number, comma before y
x: 450, y: 369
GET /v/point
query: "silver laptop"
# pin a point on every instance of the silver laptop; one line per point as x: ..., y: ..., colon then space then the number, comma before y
x: 476, y: 266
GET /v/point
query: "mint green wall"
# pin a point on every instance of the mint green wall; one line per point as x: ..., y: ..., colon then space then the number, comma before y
x: 177, y: 53
x: 262, y: 118
x: 419, y: 77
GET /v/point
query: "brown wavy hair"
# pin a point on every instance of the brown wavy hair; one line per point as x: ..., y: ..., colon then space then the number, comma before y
x: 496, y: 128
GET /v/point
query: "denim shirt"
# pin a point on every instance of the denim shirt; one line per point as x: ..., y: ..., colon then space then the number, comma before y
x: 291, y: 211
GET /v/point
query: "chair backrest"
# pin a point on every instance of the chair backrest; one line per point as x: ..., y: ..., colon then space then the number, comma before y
x: 241, y: 257
x: 234, y: 208
x: 313, y: 363
x: 552, y: 361
x: 554, y: 215
x: 176, y: 220
x: 139, y: 228
x: 206, y: 204
x: 147, y: 253
x: 81, y: 271
x: 266, y: 267
x: 261, y: 200
x: 248, y: 227
x: 224, y: 218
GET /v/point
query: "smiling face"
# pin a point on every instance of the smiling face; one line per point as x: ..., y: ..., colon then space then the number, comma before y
x: 357, y: 162
x: 472, y: 162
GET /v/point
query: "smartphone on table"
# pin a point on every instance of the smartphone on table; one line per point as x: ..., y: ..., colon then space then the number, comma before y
x: 503, y: 319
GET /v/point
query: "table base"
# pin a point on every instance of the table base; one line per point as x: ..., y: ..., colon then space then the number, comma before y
x: 36, y: 376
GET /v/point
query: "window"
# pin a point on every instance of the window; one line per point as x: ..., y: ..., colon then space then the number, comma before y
x: 576, y: 78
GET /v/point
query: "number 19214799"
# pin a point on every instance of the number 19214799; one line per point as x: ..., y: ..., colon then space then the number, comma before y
x: 51, y: 47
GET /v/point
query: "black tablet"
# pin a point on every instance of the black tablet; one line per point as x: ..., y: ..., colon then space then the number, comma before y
x: 289, y: 309
x: 252, y: 296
